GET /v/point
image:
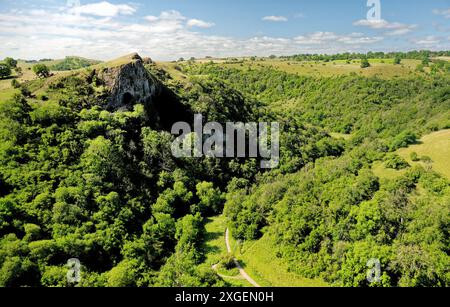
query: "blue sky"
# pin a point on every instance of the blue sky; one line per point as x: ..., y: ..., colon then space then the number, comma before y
x: 169, y: 29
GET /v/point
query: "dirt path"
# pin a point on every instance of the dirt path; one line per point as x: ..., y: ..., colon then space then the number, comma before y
x: 214, y: 267
x: 236, y: 262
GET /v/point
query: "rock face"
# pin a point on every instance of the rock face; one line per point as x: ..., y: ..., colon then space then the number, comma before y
x: 147, y: 61
x: 128, y: 83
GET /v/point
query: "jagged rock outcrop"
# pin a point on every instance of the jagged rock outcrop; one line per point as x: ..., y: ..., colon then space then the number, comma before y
x: 128, y: 83
x: 147, y: 61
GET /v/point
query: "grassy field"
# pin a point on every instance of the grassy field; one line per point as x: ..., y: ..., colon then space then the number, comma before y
x: 383, y: 68
x: 381, y: 171
x: 6, y: 90
x: 214, y: 248
x: 435, y: 145
x: 260, y: 262
x: 342, y: 136
x: 257, y: 258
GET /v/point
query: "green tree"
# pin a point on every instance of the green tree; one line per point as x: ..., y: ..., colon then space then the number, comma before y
x: 5, y: 71
x: 365, y: 63
x: 41, y: 70
x: 426, y: 61
x: 102, y: 160
x: 122, y: 275
x: 181, y: 270
x: 10, y: 62
x: 211, y: 199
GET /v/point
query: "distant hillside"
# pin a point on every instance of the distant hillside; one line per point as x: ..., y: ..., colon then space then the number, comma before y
x: 72, y: 63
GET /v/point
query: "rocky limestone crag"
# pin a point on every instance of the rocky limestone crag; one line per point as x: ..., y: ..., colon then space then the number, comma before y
x: 147, y: 61
x: 128, y: 83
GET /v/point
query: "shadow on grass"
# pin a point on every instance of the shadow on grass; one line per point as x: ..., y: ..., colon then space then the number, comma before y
x: 242, y: 263
x: 9, y: 78
x: 206, y: 247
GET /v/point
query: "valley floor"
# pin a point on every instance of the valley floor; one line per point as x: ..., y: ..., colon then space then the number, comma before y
x: 256, y: 257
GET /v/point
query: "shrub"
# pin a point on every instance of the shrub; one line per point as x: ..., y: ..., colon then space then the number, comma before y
x: 404, y: 139
x: 365, y: 63
x: 227, y: 262
x: 414, y: 157
x: 396, y: 162
x: 15, y: 83
x: 25, y: 91
x: 426, y: 159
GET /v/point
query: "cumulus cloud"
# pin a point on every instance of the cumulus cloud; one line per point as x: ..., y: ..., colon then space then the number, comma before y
x: 275, y: 18
x: 430, y: 40
x: 169, y: 35
x: 320, y: 38
x: 166, y: 22
x: 391, y: 28
x: 199, y: 23
x: 104, y: 9
x: 442, y: 12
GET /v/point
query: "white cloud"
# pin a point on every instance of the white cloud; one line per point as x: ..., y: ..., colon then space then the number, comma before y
x: 442, y: 12
x: 56, y: 33
x: 275, y: 18
x: 441, y: 28
x: 199, y: 23
x: 430, y: 40
x: 166, y: 22
x: 320, y: 38
x: 104, y: 9
x: 391, y: 28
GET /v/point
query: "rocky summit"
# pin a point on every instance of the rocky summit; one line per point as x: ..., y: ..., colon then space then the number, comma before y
x: 128, y: 82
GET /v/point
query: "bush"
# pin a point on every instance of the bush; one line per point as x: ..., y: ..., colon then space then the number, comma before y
x: 365, y: 63
x: 227, y: 262
x: 404, y: 139
x: 15, y: 83
x: 414, y: 157
x: 426, y: 159
x: 25, y: 91
x: 396, y: 162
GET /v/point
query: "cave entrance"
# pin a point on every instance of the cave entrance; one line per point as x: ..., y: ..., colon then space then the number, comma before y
x: 127, y: 99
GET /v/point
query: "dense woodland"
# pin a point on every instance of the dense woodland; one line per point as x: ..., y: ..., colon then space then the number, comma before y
x: 79, y: 181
